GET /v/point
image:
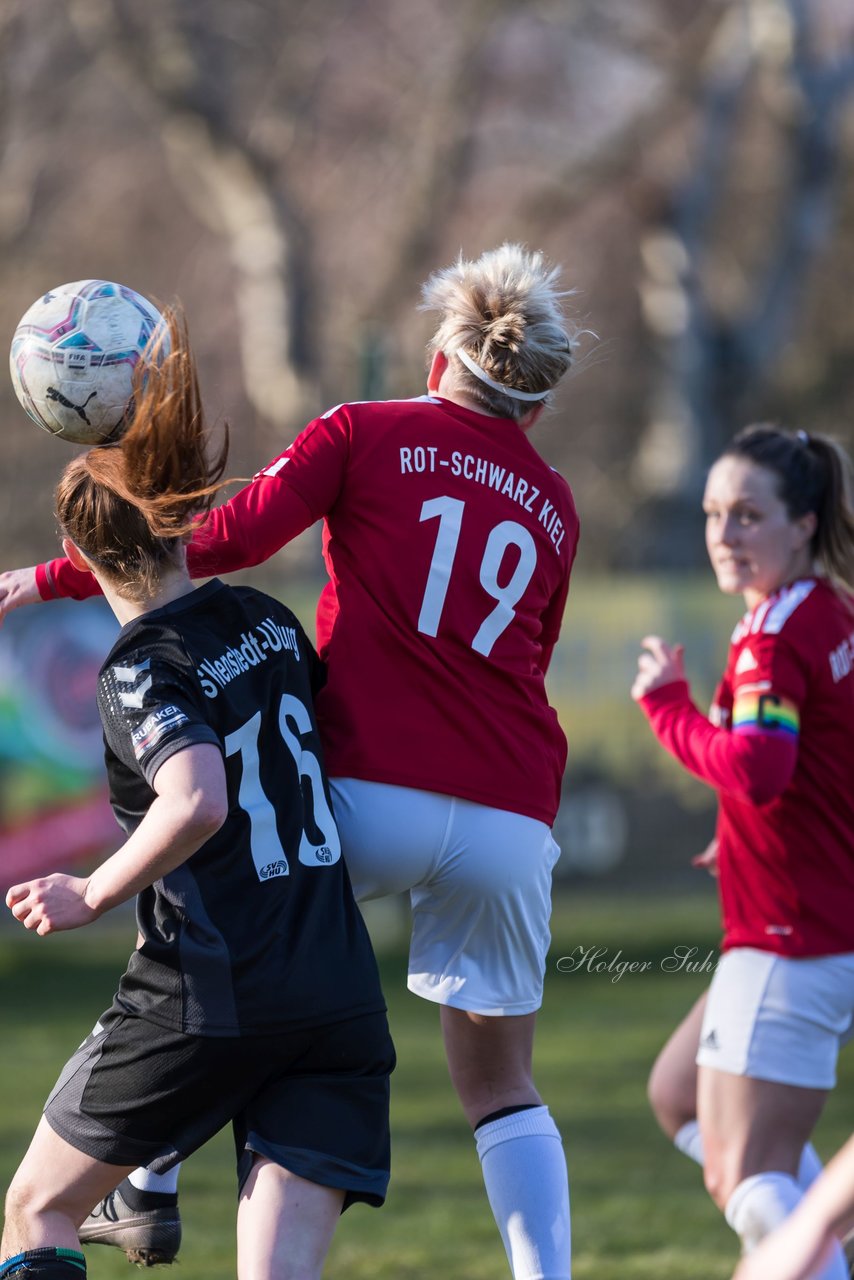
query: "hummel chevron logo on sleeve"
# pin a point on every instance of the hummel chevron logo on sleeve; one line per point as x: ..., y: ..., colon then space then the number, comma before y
x: 133, y: 698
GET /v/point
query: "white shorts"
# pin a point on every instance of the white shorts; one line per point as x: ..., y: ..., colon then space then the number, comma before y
x: 775, y: 1018
x: 479, y: 883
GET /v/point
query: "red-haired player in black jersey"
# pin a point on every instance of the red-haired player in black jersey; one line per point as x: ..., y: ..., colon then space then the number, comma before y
x: 449, y: 542
x: 253, y: 995
x: 779, y: 750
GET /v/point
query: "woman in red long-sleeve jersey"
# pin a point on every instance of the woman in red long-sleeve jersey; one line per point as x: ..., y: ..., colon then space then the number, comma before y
x: 779, y: 750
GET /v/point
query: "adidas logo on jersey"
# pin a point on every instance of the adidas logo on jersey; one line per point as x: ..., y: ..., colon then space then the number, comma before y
x: 710, y: 1040
x: 746, y: 662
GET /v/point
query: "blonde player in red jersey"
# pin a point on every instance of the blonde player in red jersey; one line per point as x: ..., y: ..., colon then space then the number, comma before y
x: 449, y: 543
x: 779, y: 750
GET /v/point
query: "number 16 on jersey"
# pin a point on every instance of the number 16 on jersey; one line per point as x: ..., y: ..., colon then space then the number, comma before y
x: 323, y: 847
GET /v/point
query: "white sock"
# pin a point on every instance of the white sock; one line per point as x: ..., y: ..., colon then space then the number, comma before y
x: 760, y: 1203
x: 688, y: 1141
x: 524, y: 1170
x: 145, y: 1180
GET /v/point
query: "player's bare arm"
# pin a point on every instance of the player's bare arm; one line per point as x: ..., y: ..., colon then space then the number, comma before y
x: 191, y: 805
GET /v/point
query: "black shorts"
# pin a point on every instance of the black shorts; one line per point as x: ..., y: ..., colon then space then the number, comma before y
x: 314, y: 1101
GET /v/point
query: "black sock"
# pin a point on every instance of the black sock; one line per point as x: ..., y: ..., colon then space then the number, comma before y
x: 141, y: 1200
x: 45, y: 1264
x: 506, y: 1111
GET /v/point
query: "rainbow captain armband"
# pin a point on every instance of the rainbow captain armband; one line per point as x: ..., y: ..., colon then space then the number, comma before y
x: 763, y: 712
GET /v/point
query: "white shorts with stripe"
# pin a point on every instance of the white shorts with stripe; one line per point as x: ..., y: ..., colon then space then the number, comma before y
x: 479, y: 883
x: 776, y: 1018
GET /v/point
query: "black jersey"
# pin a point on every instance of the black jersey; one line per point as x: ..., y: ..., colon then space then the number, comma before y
x: 258, y: 930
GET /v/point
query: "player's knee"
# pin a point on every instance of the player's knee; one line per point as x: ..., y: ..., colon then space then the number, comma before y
x: 721, y: 1177
x: 20, y: 1204
x: 668, y: 1106
x: 29, y: 1199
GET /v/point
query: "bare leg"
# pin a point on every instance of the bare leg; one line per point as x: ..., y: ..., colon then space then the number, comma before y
x: 753, y: 1137
x: 52, y: 1192
x: 752, y: 1126
x: 672, y: 1088
x: 672, y: 1092
x: 490, y: 1061
x: 284, y: 1224
x: 753, y: 1133
x: 521, y: 1153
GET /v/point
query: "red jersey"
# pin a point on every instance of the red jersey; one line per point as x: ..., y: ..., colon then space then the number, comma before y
x: 780, y: 751
x: 449, y: 543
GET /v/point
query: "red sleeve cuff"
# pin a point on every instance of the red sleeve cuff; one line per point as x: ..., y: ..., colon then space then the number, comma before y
x: 44, y: 582
x: 59, y: 580
x: 672, y: 694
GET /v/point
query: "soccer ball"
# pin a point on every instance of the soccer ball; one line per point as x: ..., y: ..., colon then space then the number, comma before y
x: 73, y: 357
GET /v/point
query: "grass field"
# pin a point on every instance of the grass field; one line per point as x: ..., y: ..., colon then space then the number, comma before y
x: 639, y: 1208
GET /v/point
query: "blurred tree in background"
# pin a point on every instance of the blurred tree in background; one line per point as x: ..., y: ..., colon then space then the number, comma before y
x: 292, y: 170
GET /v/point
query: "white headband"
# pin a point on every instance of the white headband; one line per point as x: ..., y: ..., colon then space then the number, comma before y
x: 475, y: 368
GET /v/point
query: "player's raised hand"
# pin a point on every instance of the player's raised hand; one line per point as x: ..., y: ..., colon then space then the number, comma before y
x: 51, y: 903
x: 659, y: 664
x: 17, y: 587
